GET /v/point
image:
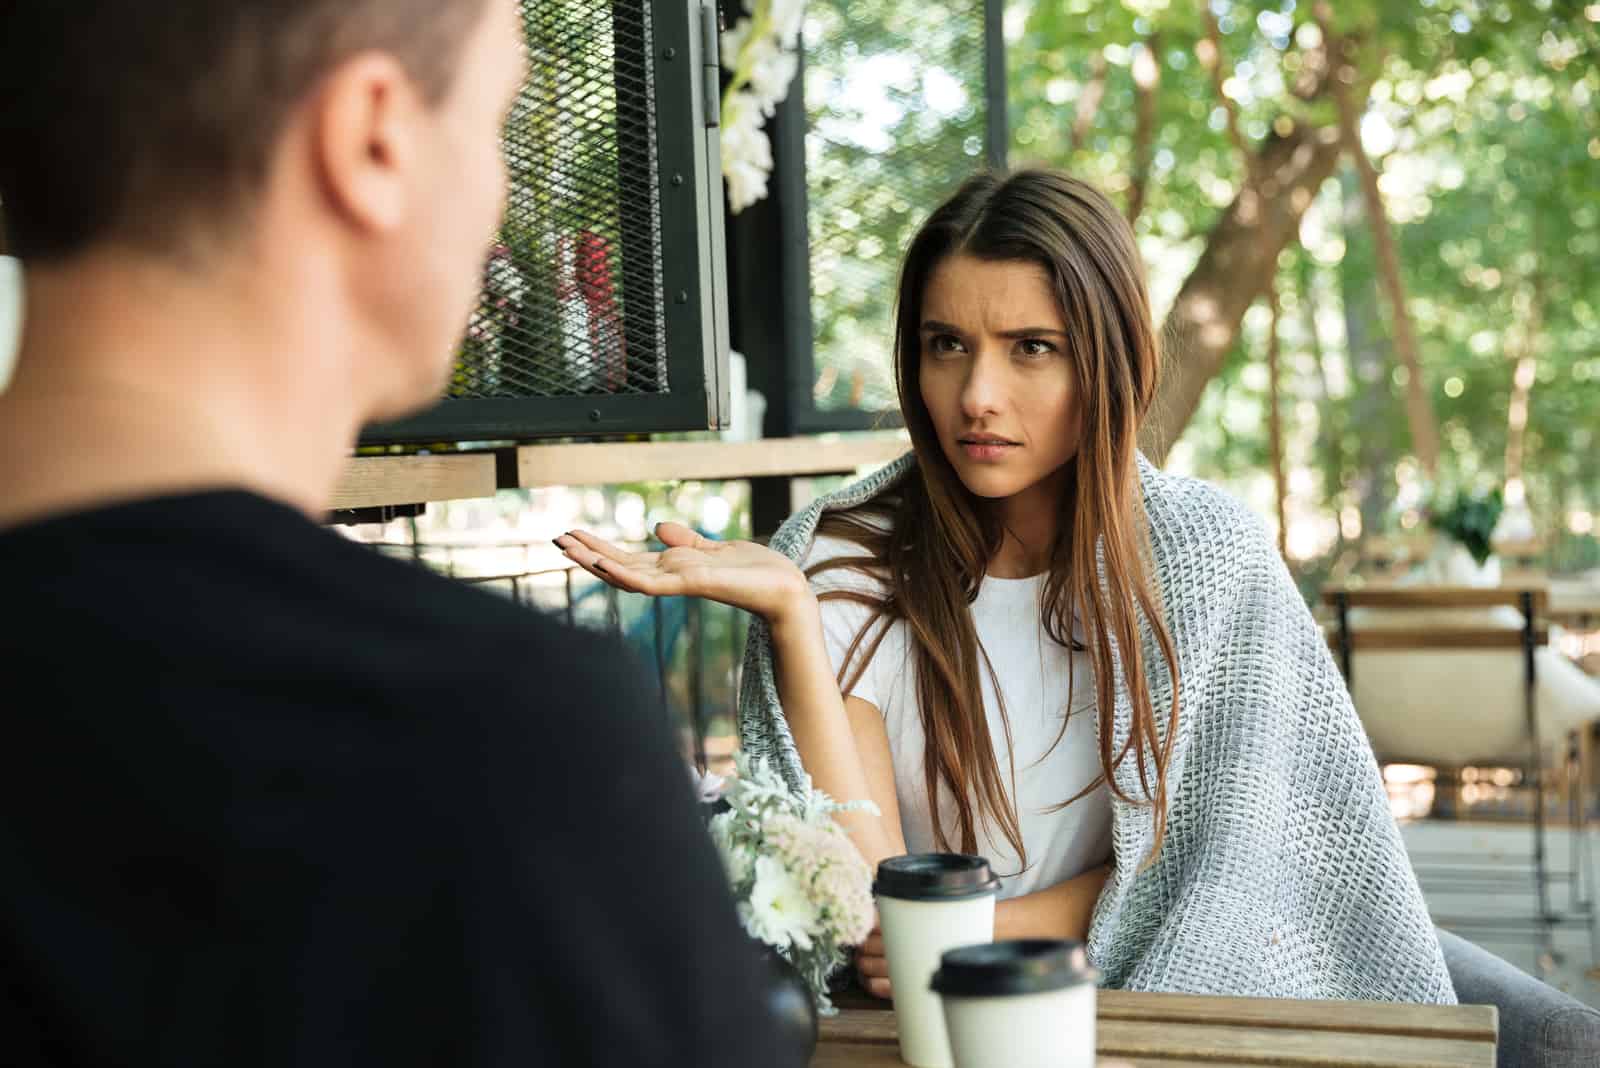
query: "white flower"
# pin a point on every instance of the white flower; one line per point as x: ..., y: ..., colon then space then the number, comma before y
x: 707, y: 784
x: 763, y: 65
x: 736, y: 857
x: 779, y: 912
x: 746, y: 152
x: 787, y: 16
x: 733, y: 41
x: 746, y: 185
x: 770, y: 74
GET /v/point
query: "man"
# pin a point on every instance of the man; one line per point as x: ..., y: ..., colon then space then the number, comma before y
x: 267, y: 797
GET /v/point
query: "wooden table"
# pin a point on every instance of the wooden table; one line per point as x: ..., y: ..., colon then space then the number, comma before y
x: 1189, y: 1031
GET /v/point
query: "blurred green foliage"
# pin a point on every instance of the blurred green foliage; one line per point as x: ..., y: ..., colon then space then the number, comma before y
x: 1484, y: 120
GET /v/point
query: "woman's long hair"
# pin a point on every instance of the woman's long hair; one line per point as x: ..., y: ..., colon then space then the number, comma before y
x: 929, y: 544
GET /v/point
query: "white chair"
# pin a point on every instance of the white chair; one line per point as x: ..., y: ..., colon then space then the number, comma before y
x: 1453, y: 677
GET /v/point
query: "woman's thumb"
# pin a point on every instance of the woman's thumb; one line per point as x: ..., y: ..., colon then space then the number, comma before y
x: 676, y: 534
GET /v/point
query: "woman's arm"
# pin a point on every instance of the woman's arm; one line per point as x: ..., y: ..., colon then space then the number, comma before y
x: 842, y: 741
x: 1059, y: 911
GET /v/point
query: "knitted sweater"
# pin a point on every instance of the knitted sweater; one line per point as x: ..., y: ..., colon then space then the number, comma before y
x: 1282, y: 873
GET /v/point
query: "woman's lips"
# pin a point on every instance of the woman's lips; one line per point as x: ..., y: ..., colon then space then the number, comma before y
x: 987, y: 450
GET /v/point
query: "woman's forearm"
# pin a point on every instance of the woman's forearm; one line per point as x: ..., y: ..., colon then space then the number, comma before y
x: 815, y: 712
x: 1060, y: 911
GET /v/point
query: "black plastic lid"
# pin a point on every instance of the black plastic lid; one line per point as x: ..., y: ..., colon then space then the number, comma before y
x: 935, y: 877
x: 1023, y: 966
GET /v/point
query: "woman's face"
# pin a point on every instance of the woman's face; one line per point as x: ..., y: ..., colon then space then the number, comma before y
x: 996, y: 378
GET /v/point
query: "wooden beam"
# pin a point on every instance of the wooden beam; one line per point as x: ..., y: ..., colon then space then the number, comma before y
x: 652, y: 461
x: 1382, y: 595
x: 1444, y: 637
x: 372, y: 481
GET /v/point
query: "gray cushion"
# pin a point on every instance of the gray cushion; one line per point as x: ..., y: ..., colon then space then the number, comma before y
x: 1540, y: 1027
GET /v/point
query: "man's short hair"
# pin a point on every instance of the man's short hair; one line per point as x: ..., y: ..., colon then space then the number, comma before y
x: 130, y: 120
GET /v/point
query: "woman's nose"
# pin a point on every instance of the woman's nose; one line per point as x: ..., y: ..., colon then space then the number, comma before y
x: 984, y: 389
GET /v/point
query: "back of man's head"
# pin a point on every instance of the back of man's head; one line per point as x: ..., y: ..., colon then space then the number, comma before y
x: 137, y: 122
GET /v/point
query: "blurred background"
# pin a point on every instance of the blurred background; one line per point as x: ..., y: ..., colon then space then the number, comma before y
x: 1373, y: 240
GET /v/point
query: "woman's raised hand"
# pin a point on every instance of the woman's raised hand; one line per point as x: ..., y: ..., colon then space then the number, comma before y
x: 738, y: 573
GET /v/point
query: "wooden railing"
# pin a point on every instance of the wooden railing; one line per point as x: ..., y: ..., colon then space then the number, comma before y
x: 383, y: 481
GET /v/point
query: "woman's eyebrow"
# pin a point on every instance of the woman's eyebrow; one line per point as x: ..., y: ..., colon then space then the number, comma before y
x: 934, y: 326
x: 1032, y: 331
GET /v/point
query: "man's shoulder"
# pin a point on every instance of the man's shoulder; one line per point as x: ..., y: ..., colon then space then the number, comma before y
x: 240, y: 587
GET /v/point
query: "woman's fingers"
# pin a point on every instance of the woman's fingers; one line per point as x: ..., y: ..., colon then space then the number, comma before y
x: 600, y: 547
x: 643, y: 580
x: 872, y: 966
x: 874, y: 975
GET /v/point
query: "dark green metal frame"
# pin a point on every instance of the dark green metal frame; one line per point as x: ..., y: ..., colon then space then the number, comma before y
x: 689, y: 185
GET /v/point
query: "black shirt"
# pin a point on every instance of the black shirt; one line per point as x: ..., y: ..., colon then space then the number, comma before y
x: 267, y: 797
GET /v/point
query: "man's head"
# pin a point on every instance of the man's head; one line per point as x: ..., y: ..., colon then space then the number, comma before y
x: 367, y: 131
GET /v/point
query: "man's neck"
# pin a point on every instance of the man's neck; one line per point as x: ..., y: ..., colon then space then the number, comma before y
x: 137, y: 381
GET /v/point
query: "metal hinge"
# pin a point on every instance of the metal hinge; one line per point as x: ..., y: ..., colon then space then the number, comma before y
x: 711, y: 62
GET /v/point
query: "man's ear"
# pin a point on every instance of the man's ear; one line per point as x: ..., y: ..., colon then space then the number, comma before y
x: 365, y: 138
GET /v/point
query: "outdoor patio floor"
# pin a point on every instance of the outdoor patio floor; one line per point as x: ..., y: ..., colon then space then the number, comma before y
x: 1495, y: 903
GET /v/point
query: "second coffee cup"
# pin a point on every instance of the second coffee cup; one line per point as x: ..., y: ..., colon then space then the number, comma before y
x: 1021, y: 1004
x: 928, y: 903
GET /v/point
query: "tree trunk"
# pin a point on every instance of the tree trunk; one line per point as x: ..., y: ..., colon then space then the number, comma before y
x: 1088, y: 103
x: 1240, y: 259
x: 1146, y: 81
x: 1525, y: 369
x: 1330, y: 424
x: 1419, y: 409
x: 1371, y: 404
x: 1209, y: 51
x: 1280, y: 481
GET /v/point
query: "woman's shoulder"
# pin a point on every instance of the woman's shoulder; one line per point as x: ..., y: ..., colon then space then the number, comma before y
x: 1184, y: 511
x: 842, y: 561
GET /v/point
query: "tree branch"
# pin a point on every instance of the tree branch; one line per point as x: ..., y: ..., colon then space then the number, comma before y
x: 1209, y: 50
x: 1089, y: 102
x: 1525, y: 364
x: 1240, y: 258
x: 1280, y: 481
x: 1419, y: 409
x: 1146, y: 81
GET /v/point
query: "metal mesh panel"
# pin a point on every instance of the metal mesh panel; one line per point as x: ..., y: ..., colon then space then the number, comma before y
x: 572, y: 299
x: 895, y: 115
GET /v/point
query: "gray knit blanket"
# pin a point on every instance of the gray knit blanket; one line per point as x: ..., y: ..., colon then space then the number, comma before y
x: 1282, y: 873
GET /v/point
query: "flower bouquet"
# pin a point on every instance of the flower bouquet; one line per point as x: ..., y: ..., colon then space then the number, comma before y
x: 800, y: 885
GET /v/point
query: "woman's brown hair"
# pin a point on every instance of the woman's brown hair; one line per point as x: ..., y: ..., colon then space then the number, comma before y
x: 929, y: 544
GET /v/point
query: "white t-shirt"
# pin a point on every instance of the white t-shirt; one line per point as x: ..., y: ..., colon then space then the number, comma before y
x: 1032, y: 671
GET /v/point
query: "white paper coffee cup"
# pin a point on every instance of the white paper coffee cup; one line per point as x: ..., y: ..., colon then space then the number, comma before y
x: 1022, y: 1004
x: 929, y: 903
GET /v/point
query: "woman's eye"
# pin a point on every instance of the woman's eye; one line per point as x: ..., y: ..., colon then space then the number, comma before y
x: 944, y: 344
x: 1035, y: 347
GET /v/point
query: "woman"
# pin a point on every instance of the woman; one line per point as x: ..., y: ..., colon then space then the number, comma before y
x: 1023, y: 640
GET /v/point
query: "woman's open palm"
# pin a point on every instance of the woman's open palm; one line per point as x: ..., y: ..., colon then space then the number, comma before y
x: 738, y: 573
